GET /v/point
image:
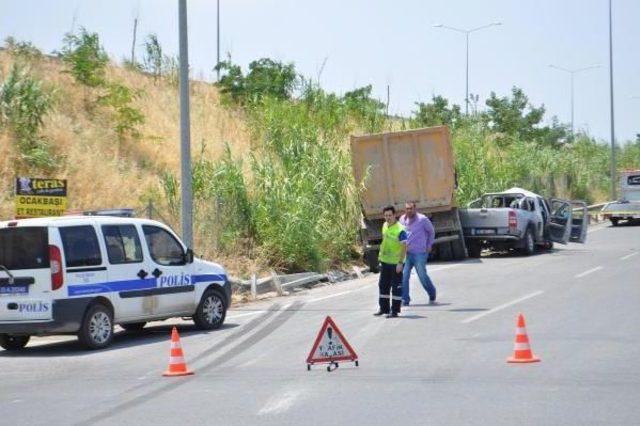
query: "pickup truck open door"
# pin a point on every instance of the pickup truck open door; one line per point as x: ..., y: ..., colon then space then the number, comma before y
x: 579, y: 222
x: 568, y: 221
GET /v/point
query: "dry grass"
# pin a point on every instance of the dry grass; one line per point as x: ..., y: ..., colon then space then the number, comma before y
x: 102, y: 171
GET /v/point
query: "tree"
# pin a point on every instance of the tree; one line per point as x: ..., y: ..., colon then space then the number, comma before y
x: 436, y: 113
x: 266, y: 78
x: 514, y: 116
x: 232, y: 81
x: 86, y: 58
x: 153, y: 58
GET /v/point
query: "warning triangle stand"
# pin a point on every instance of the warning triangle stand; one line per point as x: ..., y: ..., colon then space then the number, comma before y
x: 330, y: 347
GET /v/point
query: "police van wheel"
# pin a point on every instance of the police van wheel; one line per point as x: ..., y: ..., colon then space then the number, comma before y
x: 96, y: 331
x: 133, y: 326
x: 211, y: 311
x: 13, y: 343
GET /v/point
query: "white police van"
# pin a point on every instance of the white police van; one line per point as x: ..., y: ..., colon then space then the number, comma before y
x: 83, y: 274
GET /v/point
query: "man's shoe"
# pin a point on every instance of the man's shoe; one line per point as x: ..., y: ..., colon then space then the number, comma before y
x: 433, y: 302
x: 405, y: 303
x: 377, y: 314
x: 392, y: 315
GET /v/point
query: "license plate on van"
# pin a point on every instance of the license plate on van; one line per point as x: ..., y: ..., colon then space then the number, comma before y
x: 14, y: 289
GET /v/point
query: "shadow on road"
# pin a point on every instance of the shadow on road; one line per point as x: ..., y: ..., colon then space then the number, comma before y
x: 121, y: 340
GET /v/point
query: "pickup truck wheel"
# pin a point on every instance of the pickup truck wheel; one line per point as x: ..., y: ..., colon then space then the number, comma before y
x: 474, y: 249
x: 211, y: 311
x: 614, y: 221
x: 528, y: 243
x: 13, y: 343
x: 96, y: 331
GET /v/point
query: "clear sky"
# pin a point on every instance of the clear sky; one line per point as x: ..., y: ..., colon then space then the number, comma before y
x: 384, y: 43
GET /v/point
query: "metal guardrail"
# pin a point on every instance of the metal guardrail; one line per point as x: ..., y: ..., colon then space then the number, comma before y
x: 282, y: 283
x: 596, y: 216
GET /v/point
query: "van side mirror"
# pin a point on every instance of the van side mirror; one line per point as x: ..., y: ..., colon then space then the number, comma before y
x: 188, y: 256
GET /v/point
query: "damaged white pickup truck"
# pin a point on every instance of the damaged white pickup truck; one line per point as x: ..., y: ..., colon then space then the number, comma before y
x: 517, y: 219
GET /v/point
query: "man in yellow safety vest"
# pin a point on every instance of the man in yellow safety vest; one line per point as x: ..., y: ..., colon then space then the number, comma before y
x: 392, y: 252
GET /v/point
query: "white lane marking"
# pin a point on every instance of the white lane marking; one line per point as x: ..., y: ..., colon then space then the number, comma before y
x: 260, y: 311
x: 281, y: 403
x: 629, y: 255
x: 590, y: 271
x: 442, y: 268
x: 498, y: 308
x: 595, y: 230
x: 247, y: 314
x: 330, y: 296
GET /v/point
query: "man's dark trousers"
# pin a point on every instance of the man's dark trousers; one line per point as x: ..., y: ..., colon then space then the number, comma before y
x: 390, y: 282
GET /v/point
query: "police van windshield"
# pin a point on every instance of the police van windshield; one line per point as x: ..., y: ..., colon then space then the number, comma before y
x: 24, y: 248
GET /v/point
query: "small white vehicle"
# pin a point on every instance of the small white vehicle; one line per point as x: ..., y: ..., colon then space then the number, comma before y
x: 628, y: 207
x: 83, y: 274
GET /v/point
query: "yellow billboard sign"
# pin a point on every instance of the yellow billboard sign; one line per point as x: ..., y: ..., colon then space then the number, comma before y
x: 36, y: 197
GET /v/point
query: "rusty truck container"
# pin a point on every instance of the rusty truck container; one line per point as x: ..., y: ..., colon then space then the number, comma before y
x: 413, y: 165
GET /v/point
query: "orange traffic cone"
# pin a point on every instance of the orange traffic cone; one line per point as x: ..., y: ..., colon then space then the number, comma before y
x: 521, y: 351
x: 177, y: 365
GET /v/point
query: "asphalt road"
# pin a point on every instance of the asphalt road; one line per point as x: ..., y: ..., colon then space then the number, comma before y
x: 441, y: 364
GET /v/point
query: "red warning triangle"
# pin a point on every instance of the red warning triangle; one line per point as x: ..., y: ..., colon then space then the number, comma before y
x: 331, y: 345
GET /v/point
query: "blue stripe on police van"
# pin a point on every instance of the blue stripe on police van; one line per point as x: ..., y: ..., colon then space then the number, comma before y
x: 130, y: 285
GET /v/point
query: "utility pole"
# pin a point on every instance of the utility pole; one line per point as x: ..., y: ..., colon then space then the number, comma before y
x: 573, y: 72
x: 185, y: 134
x: 467, y: 32
x: 613, y: 135
x: 133, y: 45
x: 218, y: 43
x: 388, y: 98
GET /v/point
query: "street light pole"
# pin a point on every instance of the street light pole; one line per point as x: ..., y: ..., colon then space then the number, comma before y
x: 572, y: 73
x: 185, y: 133
x: 467, y: 32
x: 613, y: 136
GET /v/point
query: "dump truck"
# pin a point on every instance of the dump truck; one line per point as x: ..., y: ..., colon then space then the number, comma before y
x: 412, y: 165
x: 628, y: 207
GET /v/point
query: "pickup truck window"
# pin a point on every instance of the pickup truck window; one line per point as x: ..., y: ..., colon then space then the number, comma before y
x: 497, y: 201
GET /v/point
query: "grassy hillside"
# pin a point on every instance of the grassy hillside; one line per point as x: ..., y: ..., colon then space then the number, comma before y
x: 272, y: 181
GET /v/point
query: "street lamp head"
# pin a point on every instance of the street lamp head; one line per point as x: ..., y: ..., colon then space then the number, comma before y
x: 496, y: 23
x: 437, y: 25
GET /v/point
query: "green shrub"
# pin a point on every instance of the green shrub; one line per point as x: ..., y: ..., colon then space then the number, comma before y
x: 23, y: 105
x: 22, y: 49
x: 85, y: 57
x: 126, y: 117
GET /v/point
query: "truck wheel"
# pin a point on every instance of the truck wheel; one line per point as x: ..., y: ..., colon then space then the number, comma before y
x: 474, y: 249
x: 444, y: 251
x: 133, y: 326
x: 528, y: 243
x: 211, y: 311
x: 371, y: 260
x: 614, y: 221
x: 457, y: 247
x: 96, y: 331
x: 13, y: 343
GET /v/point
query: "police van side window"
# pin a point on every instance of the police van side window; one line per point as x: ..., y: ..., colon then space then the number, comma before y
x: 80, y: 246
x: 163, y: 247
x: 123, y: 244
